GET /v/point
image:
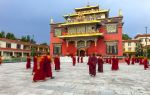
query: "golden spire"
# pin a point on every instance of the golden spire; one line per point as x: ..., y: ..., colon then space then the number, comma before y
x: 120, y: 12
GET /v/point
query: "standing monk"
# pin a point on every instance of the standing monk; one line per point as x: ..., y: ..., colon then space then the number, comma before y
x: 141, y: 61
x: 28, y: 64
x: 92, y: 65
x: 145, y: 63
x: 127, y: 59
x: 78, y: 59
x: 0, y: 60
x: 115, y: 61
x: 57, y: 63
x: 39, y: 73
x: 47, y: 67
x: 34, y: 64
x: 73, y: 60
x: 81, y: 59
x: 109, y: 60
x: 133, y: 60
x: 100, y: 64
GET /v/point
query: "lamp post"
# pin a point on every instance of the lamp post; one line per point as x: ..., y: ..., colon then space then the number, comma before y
x: 146, y: 39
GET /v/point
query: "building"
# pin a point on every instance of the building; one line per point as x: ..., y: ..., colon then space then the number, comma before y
x: 129, y: 46
x: 17, y: 48
x: 88, y: 30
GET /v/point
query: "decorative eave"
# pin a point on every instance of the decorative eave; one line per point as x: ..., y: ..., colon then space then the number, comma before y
x: 83, y: 22
x: 94, y: 12
x: 87, y: 7
x: 81, y: 35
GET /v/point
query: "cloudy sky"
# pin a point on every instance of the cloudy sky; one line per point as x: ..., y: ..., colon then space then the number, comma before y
x: 32, y: 17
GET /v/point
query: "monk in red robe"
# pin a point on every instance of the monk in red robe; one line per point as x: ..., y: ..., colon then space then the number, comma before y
x: 47, y: 66
x: 39, y: 73
x: 100, y: 64
x: 89, y: 60
x: 0, y: 60
x: 115, y: 65
x: 81, y: 59
x: 78, y: 59
x: 109, y: 60
x: 145, y: 63
x: 73, y: 60
x: 92, y: 65
x: 127, y: 60
x: 28, y: 64
x: 141, y: 61
x: 57, y: 63
x: 133, y: 60
x: 34, y: 64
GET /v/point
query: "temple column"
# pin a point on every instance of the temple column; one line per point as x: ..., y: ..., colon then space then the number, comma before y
x: 85, y: 43
x: 75, y: 43
x: 95, y: 42
x: 67, y: 43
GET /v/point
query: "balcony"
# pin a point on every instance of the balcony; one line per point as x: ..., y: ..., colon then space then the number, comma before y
x: 89, y: 34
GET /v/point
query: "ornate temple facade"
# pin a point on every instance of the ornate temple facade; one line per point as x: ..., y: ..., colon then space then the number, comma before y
x: 88, y: 30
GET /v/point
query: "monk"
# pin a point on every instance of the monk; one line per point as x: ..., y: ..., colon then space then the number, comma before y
x: 127, y: 60
x: 100, y: 64
x: 78, y: 59
x: 115, y: 61
x: 133, y: 60
x: 92, y: 65
x: 28, y: 64
x: 34, y: 64
x: 57, y: 63
x: 109, y: 60
x: 39, y: 73
x: 47, y: 66
x: 145, y: 63
x: 141, y: 61
x: 0, y: 60
x: 89, y: 60
x: 73, y: 60
x: 81, y: 59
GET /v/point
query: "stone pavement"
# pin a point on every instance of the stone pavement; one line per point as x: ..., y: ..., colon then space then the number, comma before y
x: 129, y: 80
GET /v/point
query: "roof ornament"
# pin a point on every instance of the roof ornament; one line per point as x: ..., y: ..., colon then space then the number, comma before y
x: 120, y: 12
x: 51, y: 21
x: 88, y: 3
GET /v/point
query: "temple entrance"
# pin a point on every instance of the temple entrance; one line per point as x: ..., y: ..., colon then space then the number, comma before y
x: 81, y: 52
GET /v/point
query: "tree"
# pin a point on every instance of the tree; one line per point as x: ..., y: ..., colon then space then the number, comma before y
x: 2, y: 34
x: 148, y: 52
x: 44, y: 44
x: 125, y: 37
x: 10, y: 36
x: 28, y: 38
x: 139, y: 50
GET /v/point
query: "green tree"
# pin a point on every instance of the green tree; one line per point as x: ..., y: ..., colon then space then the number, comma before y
x: 125, y: 37
x: 2, y: 34
x: 10, y: 36
x: 148, y: 52
x: 139, y: 50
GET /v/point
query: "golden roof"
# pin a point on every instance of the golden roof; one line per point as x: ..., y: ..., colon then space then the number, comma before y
x: 87, y: 7
x: 83, y: 22
x: 81, y: 35
x: 86, y: 13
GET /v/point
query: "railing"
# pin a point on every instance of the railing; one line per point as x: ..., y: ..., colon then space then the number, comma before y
x: 14, y: 60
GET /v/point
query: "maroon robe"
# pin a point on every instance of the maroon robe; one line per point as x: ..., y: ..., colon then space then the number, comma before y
x: 133, y: 61
x: 100, y: 64
x: 127, y: 60
x: 145, y: 63
x: 82, y: 59
x: 74, y: 60
x: 115, y: 65
x: 78, y: 59
x: 39, y: 73
x: 28, y: 64
x: 109, y: 60
x: 57, y: 63
x: 140, y: 61
x: 0, y: 60
x: 92, y: 66
x: 47, y: 67
x: 89, y: 60
x: 34, y: 64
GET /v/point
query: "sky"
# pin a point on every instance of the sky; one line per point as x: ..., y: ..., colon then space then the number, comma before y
x: 32, y: 17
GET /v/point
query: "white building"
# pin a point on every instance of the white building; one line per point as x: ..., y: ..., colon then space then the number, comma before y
x: 142, y: 39
x: 17, y: 48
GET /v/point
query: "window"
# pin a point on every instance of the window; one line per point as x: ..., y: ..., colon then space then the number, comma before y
x: 57, y: 32
x: 57, y: 49
x: 112, y: 48
x: 18, y: 46
x: 8, y: 45
x: 129, y: 49
x: 111, y: 28
x: 129, y: 44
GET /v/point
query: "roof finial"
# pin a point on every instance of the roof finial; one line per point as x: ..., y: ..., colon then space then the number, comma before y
x: 120, y: 12
x: 51, y: 21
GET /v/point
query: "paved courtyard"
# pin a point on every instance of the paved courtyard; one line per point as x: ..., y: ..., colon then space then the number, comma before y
x: 129, y: 80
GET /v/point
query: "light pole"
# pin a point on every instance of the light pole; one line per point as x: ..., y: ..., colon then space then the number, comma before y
x: 146, y: 39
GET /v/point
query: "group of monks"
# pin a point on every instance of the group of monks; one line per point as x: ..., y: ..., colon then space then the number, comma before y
x: 99, y: 60
x: 42, y: 68
x: 142, y: 61
x: 79, y: 59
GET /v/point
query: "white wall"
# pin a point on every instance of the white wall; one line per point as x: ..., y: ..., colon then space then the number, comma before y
x: 2, y: 44
x: 13, y: 45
